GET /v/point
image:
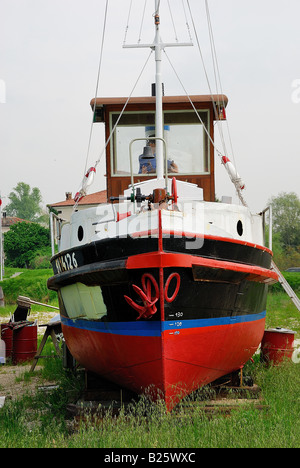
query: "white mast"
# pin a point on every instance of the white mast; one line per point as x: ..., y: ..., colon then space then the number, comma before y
x: 159, y: 132
x: 158, y: 46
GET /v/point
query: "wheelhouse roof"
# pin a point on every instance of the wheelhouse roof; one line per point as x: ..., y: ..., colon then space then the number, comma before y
x: 181, y: 102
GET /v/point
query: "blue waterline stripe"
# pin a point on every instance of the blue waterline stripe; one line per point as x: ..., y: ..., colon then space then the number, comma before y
x: 156, y: 328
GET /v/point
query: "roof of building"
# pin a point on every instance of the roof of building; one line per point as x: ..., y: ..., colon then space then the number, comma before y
x: 92, y: 199
x: 8, y: 221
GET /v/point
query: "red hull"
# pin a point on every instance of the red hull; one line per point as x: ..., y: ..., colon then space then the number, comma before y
x: 173, y: 321
x: 168, y: 366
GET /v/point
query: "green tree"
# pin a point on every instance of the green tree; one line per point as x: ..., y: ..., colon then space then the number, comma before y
x: 286, y: 218
x: 25, y: 202
x: 23, y: 241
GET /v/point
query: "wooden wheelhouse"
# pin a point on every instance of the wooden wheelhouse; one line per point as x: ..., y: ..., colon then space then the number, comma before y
x: 187, y: 141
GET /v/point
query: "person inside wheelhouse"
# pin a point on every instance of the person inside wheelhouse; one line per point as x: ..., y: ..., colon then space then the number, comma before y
x: 186, y: 143
x: 147, y: 160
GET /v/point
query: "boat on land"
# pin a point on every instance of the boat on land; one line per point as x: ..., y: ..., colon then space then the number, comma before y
x: 162, y: 289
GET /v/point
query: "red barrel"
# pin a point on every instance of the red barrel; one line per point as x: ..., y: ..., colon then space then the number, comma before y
x: 24, y: 343
x: 7, y: 337
x: 277, y: 345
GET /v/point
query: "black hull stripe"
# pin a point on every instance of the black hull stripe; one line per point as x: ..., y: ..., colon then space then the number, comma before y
x: 122, y: 248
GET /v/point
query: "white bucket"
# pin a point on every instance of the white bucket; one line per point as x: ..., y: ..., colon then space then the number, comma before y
x: 2, y: 351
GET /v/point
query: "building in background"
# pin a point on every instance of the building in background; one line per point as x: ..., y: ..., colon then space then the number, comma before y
x: 65, y: 207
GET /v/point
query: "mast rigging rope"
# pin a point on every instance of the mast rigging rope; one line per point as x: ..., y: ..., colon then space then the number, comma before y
x: 216, y: 75
x: 173, y: 23
x: 122, y: 111
x: 97, y: 86
x: 127, y: 25
x: 217, y: 70
x: 235, y: 181
x: 142, y: 22
x: 82, y: 191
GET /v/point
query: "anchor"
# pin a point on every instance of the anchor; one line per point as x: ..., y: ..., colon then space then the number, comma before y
x: 148, y: 308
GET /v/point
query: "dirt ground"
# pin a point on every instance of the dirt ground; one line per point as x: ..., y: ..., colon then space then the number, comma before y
x: 12, y: 383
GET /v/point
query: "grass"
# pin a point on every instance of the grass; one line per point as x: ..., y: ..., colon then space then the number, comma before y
x: 281, y: 312
x: 276, y: 426
x: 42, y: 421
x: 31, y: 283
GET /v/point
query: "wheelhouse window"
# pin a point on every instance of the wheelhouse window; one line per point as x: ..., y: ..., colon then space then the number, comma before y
x: 184, y: 133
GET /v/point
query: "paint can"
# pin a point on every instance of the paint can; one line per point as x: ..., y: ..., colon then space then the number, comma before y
x: 2, y: 352
x: 277, y: 345
x: 24, y: 343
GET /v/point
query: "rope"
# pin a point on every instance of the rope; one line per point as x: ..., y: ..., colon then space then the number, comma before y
x: 97, y: 86
x: 235, y: 180
x: 157, y: 9
x: 193, y: 106
x: 81, y: 191
x: 187, y: 22
x: 218, y: 78
x: 206, y: 75
x: 122, y: 112
x: 127, y: 25
x: 142, y: 22
x: 172, y: 19
x: 216, y: 74
x: 216, y: 70
x: 208, y: 83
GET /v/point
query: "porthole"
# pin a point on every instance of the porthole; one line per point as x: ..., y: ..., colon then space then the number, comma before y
x: 80, y: 233
x: 239, y: 228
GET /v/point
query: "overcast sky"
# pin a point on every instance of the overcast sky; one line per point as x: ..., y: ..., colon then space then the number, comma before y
x: 49, y: 56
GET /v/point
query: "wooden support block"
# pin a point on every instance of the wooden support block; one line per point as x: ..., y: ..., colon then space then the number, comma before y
x: 50, y: 331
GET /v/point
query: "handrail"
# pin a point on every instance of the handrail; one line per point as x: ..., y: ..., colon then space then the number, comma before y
x: 263, y: 213
x: 130, y: 157
x: 55, y: 222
